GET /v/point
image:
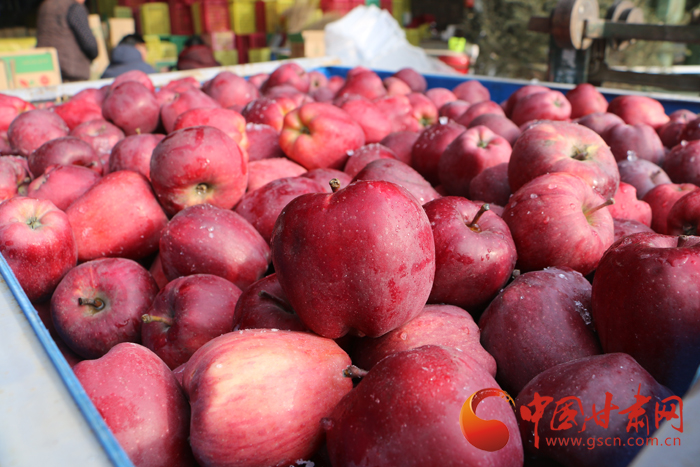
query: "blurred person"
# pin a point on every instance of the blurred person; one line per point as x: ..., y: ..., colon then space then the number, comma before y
x: 196, y: 54
x: 63, y: 24
x: 130, y: 54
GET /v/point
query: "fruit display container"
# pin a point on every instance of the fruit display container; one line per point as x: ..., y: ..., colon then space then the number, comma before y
x: 47, y: 418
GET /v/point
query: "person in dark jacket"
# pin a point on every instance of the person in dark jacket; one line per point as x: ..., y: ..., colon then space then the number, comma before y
x: 63, y: 24
x: 196, y: 54
x: 130, y: 54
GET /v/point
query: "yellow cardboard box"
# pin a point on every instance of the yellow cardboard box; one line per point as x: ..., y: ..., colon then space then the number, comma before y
x: 30, y: 68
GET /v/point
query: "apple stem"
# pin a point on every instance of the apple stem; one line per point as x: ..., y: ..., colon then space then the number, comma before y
x: 33, y: 223
x: 276, y: 300
x: 473, y: 224
x: 354, y: 372
x: 98, y: 304
x: 335, y: 184
x: 609, y: 202
x: 158, y: 319
x: 201, y: 189
x: 138, y: 131
x: 580, y: 154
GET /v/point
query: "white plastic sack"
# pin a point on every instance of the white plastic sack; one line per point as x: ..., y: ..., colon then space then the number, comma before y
x: 370, y: 37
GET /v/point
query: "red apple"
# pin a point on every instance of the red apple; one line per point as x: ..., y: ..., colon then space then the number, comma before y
x: 32, y: 128
x: 682, y: 164
x: 101, y: 135
x: 261, y: 386
x: 558, y: 220
x: 289, y: 92
x: 454, y: 109
x: 67, y: 150
x: 375, y: 124
x: 317, y: 80
x: 15, y: 176
x: 628, y: 206
x: 198, y: 165
x: 684, y: 216
x: 189, y: 312
x: 142, y: 404
x: 263, y: 142
x: 563, y: 147
x: 641, y: 174
x: 585, y: 99
x: 264, y: 305
x: 186, y: 100
x: 429, y: 147
x: 406, y: 410
x: 79, y: 110
x: 229, y: 121
x: 401, y: 143
x: 639, y: 139
x: 156, y: 271
x: 367, y: 289
x: 519, y: 94
x: 415, y: 80
x: 99, y: 304
x: 440, y: 96
x: 542, y: 319
x: 600, y: 122
x: 491, y: 185
x: 324, y: 176
x: 319, y: 135
x: 265, y: 171
x: 545, y: 105
x: 392, y: 170
x: 359, y: 158
x: 288, y: 73
x: 133, y: 108
x: 38, y: 244
x: 691, y: 132
x: 394, y: 87
x: 400, y: 113
x: 364, y: 83
x: 671, y: 131
x: 10, y: 108
x: 133, y: 75
x: 204, y: 239
x: 499, y: 124
x: 635, y: 109
x: 625, y: 227
x: 478, y: 109
x: 62, y: 184
x: 268, y: 111
x: 661, y: 199
x: 229, y: 89
x: 472, y: 91
x: 134, y: 153
x: 423, y: 110
x: 258, y: 79
x: 118, y: 217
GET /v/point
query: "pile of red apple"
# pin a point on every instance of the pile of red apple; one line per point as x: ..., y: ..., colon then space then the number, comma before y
x: 260, y: 272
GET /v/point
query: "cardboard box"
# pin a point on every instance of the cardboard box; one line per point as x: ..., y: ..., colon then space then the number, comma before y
x: 118, y: 28
x: 30, y: 68
x: 314, y: 43
x: 100, y: 64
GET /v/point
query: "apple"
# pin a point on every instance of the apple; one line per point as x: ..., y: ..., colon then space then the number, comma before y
x: 32, y: 128
x: 38, y: 244
x: 639, y: 139
x: 635, y: 109
x: 406, y: 410
x: 691, y: 132
x: 472, y: 91
x: 15, y: 176
x: 542, y: 319
x: 392, y: 170
x: 182, y: 84
x: 440, y: 96
x: 142, y: 404
x: 156, y: 271
x: 133, y: 108
x: 62, y: 184
x: 10, y: 108
x: 423, y: 110
x: 263, y: 142
x: 186, y: 314
x: 229, y: 121
x: 80, y: 109
x: 265, y: 171
x: 625, y: 227
x: 264, y: 305
x: 637, y: 277
x: 261, y: 207
x: 478, y: 109
x: 364, y: 286
x: 600, y: 122
x: 99, y: 304
x: 258, y: 79
x: 468, y: 155
x: 684, y: 216
x: 545, y: 105
x: 628, y: 206
x: 585, y: 99
x: 519, y: 94
x: 558, y: 220
x: 101, y: 135
x: 288, y: 73
x: 134, y: 153
x: 198, y: 165
x: 415, y: 80
x: 268, y: 111
x: 563, y: 147
x: 499, y: 124
x: 400, y: 113
x: 661, y: 199
x: 324, y: 177
x: 641, y: 174
x: 323, y: 94
x: 118, y: 216
x: 395, y: 87
x: 317, y: 80
x: 596, y: 392
x: 205, y: 239
x: 319, y: 135
x: 375, y: 124
x: 67, y: 150
x: 229, y: 90
x: 682, y: 163
x: 429, y: 147
x: 183, y: 101
x: 133, y: 75
x: 474, y: 253
x: 671, y: 131
x: 260, y: 387
x: 364, y: 83
x: 359, y: 158
x: 401, y: 143
x: 289, y: 92
x: 453, y: 109
x: 491, y: 185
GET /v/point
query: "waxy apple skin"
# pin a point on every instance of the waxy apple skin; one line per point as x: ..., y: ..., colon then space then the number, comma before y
x: 38, y: 244
x: 361, y: 259
x: 645, y: 295
x: 405, y: 412
x: 196, y: 309
x: 264, y: 305
x: 99, y: 304
x: 255, y: 388
x: 141, y: 402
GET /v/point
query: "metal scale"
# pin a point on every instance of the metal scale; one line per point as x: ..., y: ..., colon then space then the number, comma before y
x: 579, y: 39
